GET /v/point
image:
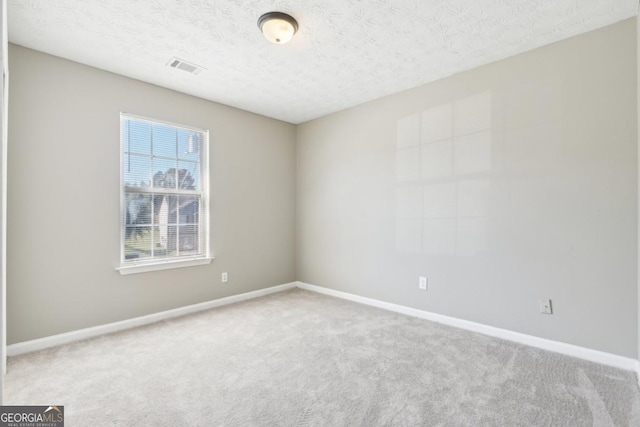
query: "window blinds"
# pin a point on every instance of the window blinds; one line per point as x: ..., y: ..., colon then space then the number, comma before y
x: 163, y: 197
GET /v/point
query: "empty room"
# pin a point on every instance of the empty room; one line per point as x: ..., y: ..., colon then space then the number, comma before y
x: 319, y: 213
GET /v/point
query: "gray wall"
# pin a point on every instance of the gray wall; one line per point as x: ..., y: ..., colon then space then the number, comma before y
x: 64, y: 199
x: 504, y: 184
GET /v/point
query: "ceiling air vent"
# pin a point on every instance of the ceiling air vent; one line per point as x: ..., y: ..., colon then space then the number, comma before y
x: 183, y: 65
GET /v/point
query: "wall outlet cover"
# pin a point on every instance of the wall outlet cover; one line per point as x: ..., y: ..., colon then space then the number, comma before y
x: 545, y: 306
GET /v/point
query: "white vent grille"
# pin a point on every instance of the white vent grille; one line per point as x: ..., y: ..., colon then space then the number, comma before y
x: 184, y: 66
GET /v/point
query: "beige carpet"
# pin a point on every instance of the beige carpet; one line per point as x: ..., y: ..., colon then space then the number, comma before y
x: 302, y: 359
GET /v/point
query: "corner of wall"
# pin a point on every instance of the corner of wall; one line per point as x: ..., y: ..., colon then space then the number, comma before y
x: 638, y: 163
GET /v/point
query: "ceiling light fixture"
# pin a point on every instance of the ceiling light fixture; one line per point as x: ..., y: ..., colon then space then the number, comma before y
x: 277, y: 27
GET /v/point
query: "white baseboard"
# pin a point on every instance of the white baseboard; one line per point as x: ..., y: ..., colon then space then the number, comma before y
x: 556, y: 346
x: 597, y: 356
x: 55, y: 340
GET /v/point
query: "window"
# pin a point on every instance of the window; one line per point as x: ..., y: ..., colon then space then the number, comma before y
x: 164, y: 178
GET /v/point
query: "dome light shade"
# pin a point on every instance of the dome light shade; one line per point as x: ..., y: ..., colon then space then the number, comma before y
x: 277, y: 27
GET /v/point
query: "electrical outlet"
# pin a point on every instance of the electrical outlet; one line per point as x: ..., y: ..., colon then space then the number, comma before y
x: 545, y: 306
x: 225, y: 277
x: 422, y: 283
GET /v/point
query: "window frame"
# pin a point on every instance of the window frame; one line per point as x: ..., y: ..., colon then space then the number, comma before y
x: 141, y: 266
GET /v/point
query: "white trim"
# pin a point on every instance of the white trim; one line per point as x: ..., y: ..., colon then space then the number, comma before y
x: 555, y: 346
x: 163, y: 265
x: 56, y: 340
x: 163, y: 122
x: 597, y: 356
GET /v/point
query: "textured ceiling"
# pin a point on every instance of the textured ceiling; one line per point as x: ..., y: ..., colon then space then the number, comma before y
x: 346, y: 51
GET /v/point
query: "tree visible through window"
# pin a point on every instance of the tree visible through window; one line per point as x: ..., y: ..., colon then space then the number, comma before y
x: 163, y: 191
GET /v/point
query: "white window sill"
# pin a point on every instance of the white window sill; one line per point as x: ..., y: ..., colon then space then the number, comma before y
x: 163, y: 265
